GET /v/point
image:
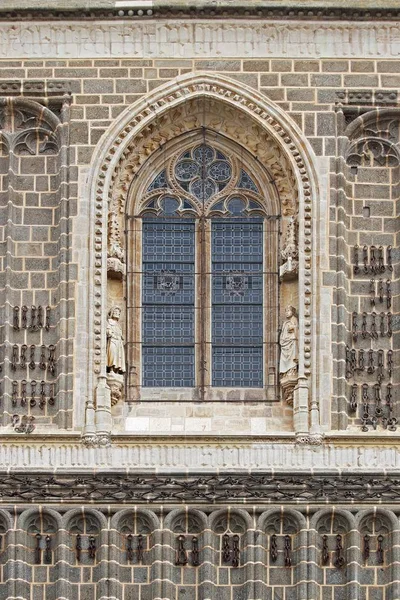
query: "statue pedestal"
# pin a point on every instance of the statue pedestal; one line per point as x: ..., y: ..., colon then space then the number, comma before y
x: 288, y: 383
x: 115, y: 382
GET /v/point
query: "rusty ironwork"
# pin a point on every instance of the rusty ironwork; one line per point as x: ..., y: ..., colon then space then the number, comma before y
x: 273, y: 548
x: 140, y: 548
x: 40, y: 317
x: 42, y: 399
x: 14, y: 357
x: 78, y: 547
x: 371, y: 362
x: 364, y: 332
x: 47, y: 318
x: 325, y: 551
x: 226, y: 548
x: 353, y: 399
x: 380, y: 371
x: 92, y: 547
x: 388, y: 293
x: 51, y: 365
x: 129, y: 548
x: 381, y: 259
x: 32, y: 363
x: 372, y: 260
x: 24, y: 317
x: 42, y: 361
x: 23, y: 392
x: 373, y: 332
x: 195, y: 555
x: 389, y: 258
x: 287, y: 551
x: 16, y: 318
x: 14, y: 393
x: 339, y: 559
x: 366, y: 547
x: 235, y: 550
x: 380, y: 558
x: 382, y: 324
x: 52, y: 399
x: 389, y: 332
x: 361, y: 360
x: 356, y: 268
x: 32, y: 324
x: 372, y: 292
x: 32, y: 401
x: 22, y: 356
x: 389, y: 362
x: 181, y: 554
x: 47, y: 550
x: 365, y: 259
x: 38, y: 549
x: 381, y: 290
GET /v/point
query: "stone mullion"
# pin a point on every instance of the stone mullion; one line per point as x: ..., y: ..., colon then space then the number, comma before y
x: 313, y: 586
x: 115, y: 561
x: 134, y: 307
x: 10, y: 295
x: 393, y: 588
x: 353, y: 560
x: 206, y: 568
x: 249, y: 553
x: 301, y: 566
x: 271, y: 308
x: 10, y: 569
x: 156, y: 571
x: 65, y: 326
x: 63, y: 586
x: 260, y: 568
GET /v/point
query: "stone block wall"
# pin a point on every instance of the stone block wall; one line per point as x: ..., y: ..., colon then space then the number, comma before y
x: 37, y: 304
x: 193, y: 553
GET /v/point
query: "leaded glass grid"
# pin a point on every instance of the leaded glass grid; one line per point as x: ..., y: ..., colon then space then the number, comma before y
x: 197, y: 185
x: 168, y: 303
x: 237, y: 302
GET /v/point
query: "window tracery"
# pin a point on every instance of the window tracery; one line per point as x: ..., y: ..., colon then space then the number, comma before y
x: 208, y: 260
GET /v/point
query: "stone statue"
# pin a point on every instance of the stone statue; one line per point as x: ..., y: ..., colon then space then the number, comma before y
x: 289, y: 343
x: 115, y: 342
x: 288, y: 364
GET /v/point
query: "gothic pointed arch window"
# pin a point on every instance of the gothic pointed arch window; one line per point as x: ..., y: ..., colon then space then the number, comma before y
x: 202, y: 278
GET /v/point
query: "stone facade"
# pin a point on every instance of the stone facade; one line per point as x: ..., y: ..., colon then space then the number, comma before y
x: 111, y: 489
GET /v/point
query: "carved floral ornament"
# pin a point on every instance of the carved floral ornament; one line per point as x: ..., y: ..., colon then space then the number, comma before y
x: 235, y: 111
x: 374, y: 139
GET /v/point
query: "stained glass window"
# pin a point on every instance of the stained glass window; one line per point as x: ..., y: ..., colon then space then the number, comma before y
x: 237, y: 302
x: 198, y: 184
x: 168, y: 303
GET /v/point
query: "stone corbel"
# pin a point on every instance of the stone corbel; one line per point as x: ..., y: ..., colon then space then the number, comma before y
x: 290, y: 252
x: 116, y: 268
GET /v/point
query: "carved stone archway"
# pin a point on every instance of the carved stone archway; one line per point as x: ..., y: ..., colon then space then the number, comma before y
x: 267, y: 132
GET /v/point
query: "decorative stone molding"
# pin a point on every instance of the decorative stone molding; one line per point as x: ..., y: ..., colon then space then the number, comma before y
x: 194, y: 38
x: 141, y: 126
x: 142, y: 488
x: 115, y: 382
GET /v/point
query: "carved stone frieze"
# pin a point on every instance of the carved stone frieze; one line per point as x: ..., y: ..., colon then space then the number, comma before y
x: 183, y: 105
x: 145, y: 487
x: 186, y: 38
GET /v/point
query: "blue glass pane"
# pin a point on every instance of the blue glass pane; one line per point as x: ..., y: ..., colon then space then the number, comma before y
x: 237, y: 288
x: 237, y: 367
x: 237, y: 302
x: 246, y: 182
x: 158, y: 182
x: 185, y: 170
x: 203, y: 154
x: 240, y: 240
x: 168, y: 303
x: 220, y: 170
x: 165, y: 241
x: 168, y: 367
